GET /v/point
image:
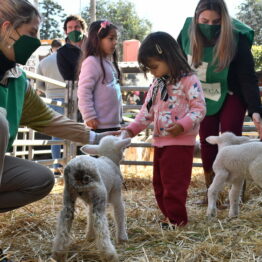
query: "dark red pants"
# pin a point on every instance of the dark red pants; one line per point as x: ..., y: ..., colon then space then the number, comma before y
x: 229, y: 118
x: 171, y: 179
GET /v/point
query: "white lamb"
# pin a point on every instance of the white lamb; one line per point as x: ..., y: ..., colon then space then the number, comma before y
x: 238, y: 158
x: 96, y: 181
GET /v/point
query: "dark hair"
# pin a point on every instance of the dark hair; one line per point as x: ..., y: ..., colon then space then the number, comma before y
x: 56, y: 43
x: 76, y: 18
x: 163, y: 47
x: 91, y: 45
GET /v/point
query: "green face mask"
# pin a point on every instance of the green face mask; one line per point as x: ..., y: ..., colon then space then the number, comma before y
x: 24, y: 47
x: 209, y: 31
x: 75, y: 36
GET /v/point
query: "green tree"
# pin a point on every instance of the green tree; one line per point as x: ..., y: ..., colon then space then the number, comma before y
x: 257, y: 53
x: 123, y: 15
x: 250, y: 12
x: 52, y: 17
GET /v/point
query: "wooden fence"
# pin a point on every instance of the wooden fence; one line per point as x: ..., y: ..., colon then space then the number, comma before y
x: 26, y: 144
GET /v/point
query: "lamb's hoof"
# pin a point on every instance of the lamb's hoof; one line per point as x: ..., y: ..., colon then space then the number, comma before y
x: 90, y: 238
x: 211, y: 213
x: 110, y: 257
x: 122, y: 239
x: 59, y: 256
x: 233, y: 215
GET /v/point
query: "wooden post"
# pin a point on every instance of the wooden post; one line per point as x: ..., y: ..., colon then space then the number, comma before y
x: 92, y: 10
x: 71, y: 112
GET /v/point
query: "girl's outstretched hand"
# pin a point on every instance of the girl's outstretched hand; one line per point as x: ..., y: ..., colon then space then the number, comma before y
x: 93, y: 123
x: 126, y: 133
x: 258, y: 123
x: 175, y: 129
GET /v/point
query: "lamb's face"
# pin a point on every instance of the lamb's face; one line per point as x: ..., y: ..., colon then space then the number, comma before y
x: 109, y: 146
x: 226, y: 139
x: 113, y: 146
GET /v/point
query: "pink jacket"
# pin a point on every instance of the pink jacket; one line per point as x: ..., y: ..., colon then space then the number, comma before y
x: 97, y: 98
x: 185, y: 105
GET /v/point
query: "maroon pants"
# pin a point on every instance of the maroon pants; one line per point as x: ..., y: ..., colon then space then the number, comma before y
x: 229, y: 118
x: 171, y: 179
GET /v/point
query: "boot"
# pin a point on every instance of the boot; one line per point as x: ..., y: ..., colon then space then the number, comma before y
x: 209, y: 176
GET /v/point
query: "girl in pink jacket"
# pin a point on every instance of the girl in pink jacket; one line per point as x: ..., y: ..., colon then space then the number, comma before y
x: 175, y: 103
x: 99, y: 94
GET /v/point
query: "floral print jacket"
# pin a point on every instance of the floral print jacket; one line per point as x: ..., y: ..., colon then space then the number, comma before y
x: 185, y: 105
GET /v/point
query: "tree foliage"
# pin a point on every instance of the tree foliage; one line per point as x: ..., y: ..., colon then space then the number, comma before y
x: 257, y: 54
x: 124, y: 16
x: 52, y: 17
x: 250, y: 12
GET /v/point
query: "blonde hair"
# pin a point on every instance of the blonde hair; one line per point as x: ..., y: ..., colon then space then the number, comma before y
x: 225, y: 47
x: 17, y: 12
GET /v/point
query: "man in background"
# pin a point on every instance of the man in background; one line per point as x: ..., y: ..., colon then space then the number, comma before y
x: 68, y: 55
x: 48, y: 67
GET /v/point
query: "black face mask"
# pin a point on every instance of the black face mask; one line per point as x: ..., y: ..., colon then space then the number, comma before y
x: 24, y: 47
x: 210, y: 32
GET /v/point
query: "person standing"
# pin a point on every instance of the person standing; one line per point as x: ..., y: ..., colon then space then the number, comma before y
x: 175, y: 103
x: 218, y: 47
x: 48, y: 67
x: 68, y: 55
x: 99, y: 93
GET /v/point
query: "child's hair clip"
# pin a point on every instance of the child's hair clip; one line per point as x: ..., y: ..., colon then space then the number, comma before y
x: 159, y: 50
x: 103, y: 24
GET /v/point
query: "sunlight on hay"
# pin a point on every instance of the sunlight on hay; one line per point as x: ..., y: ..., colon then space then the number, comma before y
x: 27, y: 233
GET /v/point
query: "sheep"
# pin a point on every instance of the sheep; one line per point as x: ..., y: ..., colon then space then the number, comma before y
x: 96, y: 181
x: 238, y: 158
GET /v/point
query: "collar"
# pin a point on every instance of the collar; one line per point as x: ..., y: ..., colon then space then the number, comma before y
x: 14, y: 72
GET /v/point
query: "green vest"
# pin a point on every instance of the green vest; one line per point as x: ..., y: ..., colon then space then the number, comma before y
x: 12, y: 99
x: 214, y: 84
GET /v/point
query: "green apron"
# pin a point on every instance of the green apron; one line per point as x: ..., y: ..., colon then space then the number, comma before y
x: 12, y: 99
x: 214, y: 84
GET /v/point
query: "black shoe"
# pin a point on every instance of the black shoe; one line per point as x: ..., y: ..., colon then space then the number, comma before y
x: 167, y: 225
x: 4, y: 257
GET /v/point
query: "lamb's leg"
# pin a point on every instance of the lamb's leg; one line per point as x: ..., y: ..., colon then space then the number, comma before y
x: 119, y: 215
x: 64, y: 224
x: 255, y: 170
x: 234, y: 197
x: 90, y: 229
x: 216, y: 186
x: 102, y: 234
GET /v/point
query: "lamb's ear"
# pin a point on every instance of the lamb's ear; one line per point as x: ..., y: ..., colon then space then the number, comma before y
x: 243, y: 139
x: 90, y: 149
x: 212, y: 140
x: 123, y: 143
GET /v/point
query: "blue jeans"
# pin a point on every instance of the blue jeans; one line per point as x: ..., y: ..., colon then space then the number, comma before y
x: 57, y: 148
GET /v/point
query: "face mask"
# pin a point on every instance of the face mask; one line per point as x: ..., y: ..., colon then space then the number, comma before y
x: 209, y: 31
x: 75, y: 36
x: 24, y: 47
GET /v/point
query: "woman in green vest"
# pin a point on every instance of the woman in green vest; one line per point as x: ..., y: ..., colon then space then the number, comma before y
x: 219, y: 49
x: 23, y: 181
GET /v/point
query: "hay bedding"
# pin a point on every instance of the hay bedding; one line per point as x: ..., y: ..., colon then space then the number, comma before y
x: 27, y: 233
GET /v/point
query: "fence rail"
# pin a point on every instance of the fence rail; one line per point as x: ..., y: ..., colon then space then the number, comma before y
x: 25, y: 143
